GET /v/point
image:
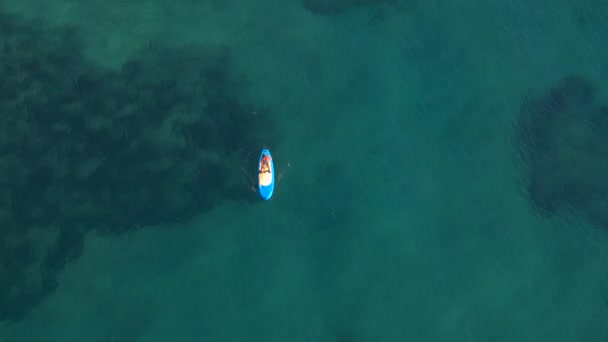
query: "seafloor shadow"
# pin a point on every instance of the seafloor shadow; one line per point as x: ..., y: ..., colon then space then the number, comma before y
x: 86, y: 148
x: 562, y: 137
x: 336, y: 7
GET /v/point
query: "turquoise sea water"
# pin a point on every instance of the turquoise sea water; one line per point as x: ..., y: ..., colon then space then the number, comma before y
x: 400, y: 211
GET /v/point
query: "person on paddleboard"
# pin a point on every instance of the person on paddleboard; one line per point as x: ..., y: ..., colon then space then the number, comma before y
x: 265, y: 171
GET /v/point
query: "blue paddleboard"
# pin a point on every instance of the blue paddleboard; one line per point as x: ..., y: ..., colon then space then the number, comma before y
x: 265, y: 175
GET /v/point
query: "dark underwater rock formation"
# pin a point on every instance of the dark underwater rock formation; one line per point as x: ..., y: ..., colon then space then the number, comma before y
x: 563, y: 140
x: 85, y: 148
x: 335, y: 7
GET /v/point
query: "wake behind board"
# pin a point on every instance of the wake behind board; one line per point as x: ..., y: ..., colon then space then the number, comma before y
x: 265, y: 175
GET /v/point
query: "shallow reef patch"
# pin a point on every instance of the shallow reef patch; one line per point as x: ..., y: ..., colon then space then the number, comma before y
x: 562, y: 137
x: 82, y: 147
